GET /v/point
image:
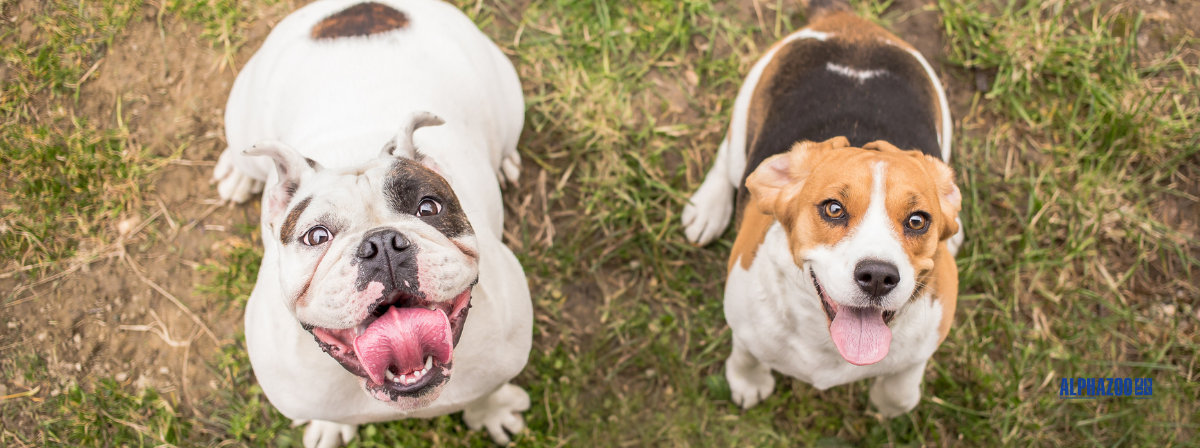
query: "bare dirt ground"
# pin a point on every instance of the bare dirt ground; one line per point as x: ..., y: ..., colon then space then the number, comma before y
x: 114, y: 318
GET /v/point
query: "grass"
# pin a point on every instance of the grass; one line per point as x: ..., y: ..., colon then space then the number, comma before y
x: 64, y: 176
x: 1070, y: 165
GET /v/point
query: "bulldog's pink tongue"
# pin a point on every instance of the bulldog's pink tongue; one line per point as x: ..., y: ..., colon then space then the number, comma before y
x: 402, y: 338
x: 860, y: 335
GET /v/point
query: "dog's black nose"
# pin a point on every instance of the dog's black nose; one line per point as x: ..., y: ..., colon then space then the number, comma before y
x: 382, y: 239
x: 876, y: 278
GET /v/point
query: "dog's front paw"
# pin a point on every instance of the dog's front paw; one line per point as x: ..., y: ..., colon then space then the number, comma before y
x: 324, y: 434
x: 750, y: 384
x: 232, y: 184
x: 708, y: 211
x: 893, y: 397
x: 498, y: 412
x: 510, y: 169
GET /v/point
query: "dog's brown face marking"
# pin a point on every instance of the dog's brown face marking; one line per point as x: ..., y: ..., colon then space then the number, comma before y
x: 289, y: 224
x: 820, y: 172
x: 409, y: 183
x: 363, y: 19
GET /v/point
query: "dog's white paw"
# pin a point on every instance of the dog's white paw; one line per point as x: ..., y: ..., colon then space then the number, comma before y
x: 232, y: 184
x: 892, y: 400
x: 899, y: 392
x: 708, y: 211
x: 324, y: 434
x: 510, y: 169
x: 498, y: 412
x: 750, y: 385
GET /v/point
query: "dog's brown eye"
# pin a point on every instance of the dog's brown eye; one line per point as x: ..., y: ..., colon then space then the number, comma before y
x: 428, y: 207
x: 834, y: 210
x: 316, y: 236
x: 917, y: 221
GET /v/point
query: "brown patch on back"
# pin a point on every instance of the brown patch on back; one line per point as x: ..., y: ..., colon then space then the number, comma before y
x: 363, y: 19
x: 751, y: 233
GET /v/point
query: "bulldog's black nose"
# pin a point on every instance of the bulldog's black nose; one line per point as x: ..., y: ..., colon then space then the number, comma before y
x: 387, y: 240
x: 876, y: 278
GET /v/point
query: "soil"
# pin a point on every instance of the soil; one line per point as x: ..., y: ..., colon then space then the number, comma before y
x: 96, y: 321
x: 103, y: 320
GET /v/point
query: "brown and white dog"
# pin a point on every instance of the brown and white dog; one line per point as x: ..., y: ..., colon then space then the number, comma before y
x: 843, y: 267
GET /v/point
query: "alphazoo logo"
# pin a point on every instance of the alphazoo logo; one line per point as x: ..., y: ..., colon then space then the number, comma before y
x: 1093, y: 388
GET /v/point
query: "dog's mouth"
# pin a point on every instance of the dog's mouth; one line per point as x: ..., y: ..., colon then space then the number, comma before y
x: 405, y: 346
x: 861, y: 334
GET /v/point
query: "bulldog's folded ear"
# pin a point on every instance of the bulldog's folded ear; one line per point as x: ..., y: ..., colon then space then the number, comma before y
x: 402, y: 144
x: 293, y: 169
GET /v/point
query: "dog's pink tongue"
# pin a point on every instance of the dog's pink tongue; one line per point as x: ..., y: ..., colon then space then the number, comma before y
x: 402, y: 338
x: 860, y: 335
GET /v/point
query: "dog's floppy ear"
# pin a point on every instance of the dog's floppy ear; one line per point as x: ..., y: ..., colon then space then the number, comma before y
x: 949, y: 197
x: 782, y: 175
x: 293, y: 168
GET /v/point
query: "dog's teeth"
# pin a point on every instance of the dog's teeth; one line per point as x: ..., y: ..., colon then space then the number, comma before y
x: 359, y: 330
x: 428, y: 362
x: 404, y: 378
x: 388, y: 373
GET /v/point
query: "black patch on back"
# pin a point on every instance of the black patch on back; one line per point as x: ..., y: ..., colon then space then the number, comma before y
x: 363, y: 19
x: 409, y: 182
x: 810, y: 102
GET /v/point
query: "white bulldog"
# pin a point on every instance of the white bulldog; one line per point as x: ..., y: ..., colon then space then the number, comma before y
x: 385, y: 127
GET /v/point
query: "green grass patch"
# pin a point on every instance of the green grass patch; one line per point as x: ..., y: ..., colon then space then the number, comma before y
x: 65, y: 179
x: 1069, y: 165
x: 223, y: 21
